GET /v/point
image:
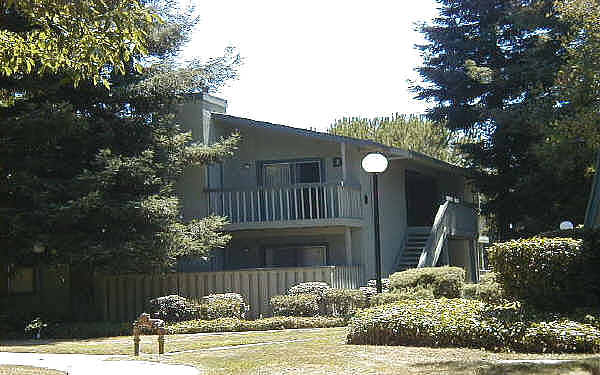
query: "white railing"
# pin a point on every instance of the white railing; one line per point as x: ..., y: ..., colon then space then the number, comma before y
x: 286, y: 203
x: 452, y: 219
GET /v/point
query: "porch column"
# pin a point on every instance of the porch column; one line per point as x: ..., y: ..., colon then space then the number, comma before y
x: 348, y: 245
x: 344, y: 167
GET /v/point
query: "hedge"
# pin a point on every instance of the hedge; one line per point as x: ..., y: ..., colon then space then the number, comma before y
x: 227, y: 305
x: 342, y: 302
x: 85, y: 330
x: 408, y: 294
x: 317, y: 288
x: 443, y: 281
x: 487, y: 290
x: 172, y: 308
x: 549, y: 273
x: 238, y: 325
x: 296, y: 305
x: 469, y: 323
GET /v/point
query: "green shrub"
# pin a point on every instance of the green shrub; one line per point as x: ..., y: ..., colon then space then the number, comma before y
x: 443, y: 281
x: 317, y: 288
x: 385, y: 284
x: 548, y: 273
x: 237, y: 325
x: 227, y: 305
x: 296, y: 305
x: 487, y: 290
x: 172, y: 308
x: 561, y: 336
x: 341, y: 302
x: 469, y: 323
x: 408, y: 294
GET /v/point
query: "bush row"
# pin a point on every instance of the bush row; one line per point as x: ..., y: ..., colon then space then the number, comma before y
x: 470, y: 323
x: 487, y: 290
x: 238, y: 325
x: 174, y: 308
x: 328, y: 302
x: 443, y: 281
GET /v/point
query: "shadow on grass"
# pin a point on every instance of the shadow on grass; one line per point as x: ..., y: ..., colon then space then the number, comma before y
x: 574, y: 367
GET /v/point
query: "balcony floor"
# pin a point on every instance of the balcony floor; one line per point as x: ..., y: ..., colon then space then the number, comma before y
x: 308, y: 223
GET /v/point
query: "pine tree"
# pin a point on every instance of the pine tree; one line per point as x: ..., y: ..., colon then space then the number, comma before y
x: 90, y: 173
x: 491, y: 68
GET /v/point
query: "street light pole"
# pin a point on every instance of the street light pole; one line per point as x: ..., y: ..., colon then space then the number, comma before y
x: 377, y: 239
x: 374, y: 164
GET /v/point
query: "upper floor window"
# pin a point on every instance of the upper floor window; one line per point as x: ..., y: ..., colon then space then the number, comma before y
x: 291, y: 172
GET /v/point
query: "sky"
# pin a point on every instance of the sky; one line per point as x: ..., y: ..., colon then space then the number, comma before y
x: 307, y: 63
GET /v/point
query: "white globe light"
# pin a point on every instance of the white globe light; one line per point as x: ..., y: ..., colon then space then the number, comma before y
x: 374, y: 163
x: 566, y: 225
x: 38, y: 248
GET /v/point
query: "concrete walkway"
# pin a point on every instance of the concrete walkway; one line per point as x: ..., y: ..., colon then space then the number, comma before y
x: 85, y: 364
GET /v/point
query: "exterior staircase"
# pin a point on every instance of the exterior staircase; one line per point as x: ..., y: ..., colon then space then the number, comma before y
x: 414, y: 243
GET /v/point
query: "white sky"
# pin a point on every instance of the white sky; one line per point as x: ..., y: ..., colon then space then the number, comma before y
x: 307, y: 63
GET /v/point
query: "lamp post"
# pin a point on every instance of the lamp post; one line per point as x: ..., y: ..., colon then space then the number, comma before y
x: 374, y: 164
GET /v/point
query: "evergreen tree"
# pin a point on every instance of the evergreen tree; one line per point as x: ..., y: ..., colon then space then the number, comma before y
x: 90, y: 173
x: 491, y: 68
x: 411, y: 132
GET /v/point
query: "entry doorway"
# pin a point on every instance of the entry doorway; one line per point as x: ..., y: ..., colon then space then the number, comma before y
x: 421, y: 199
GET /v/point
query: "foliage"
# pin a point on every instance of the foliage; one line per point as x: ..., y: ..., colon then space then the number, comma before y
x: 412, y: 132
x: 227, y: 305
x: 343, y: 302
x: 401, y: 295
x: 172, y: 308
x: 469, y: 323
x: 385, y: 284
x: 444, y: 281
x: 491, y: 68
x: 562, y: 336
x: 487, y: 290
x: 296, y: 305
x: 548, y: 273
x: 237, y: 325
x: 92, y: 173
x: 317, y: 288
x: 35, y: 327
x: 79, y: 37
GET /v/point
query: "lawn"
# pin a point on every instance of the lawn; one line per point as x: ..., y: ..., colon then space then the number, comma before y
x: 311, y: 351
x: 27, y: 370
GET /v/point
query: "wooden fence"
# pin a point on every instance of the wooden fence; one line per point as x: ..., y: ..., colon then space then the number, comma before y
x: 122, y: 298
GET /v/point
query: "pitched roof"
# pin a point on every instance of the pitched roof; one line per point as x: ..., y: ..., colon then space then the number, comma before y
x: 393, y: 152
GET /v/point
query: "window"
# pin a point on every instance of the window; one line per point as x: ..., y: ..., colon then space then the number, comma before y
x: 296, y: 256
x: 21, y: 280
x: 291, y: 172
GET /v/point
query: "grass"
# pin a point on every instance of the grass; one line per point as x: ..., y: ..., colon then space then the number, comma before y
x: 27, y: 370
x: 312, y: 351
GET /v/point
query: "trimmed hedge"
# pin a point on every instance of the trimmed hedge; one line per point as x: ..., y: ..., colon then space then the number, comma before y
x: 549, y: 273
x: 342, y: 302
x: 238, y: 325
x: 469, y: 323
x: 296, y: 305
x: 172, y: 308
x: 408, y: 294
x: 317, y: 288
x: 487, y: 290
x: 227, y: 305
x: 443, y: 281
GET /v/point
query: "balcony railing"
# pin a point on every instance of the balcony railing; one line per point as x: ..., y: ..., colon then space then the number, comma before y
x: 287, y: 203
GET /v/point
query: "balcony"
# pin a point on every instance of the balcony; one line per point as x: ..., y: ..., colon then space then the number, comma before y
x: 289, y: 206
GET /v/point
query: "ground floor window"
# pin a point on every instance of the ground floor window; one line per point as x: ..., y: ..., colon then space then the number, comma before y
x: 296, y: 256
x: 21, y: 280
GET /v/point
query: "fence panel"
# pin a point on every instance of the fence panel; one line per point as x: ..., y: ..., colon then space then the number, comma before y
x: 123, y: 298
